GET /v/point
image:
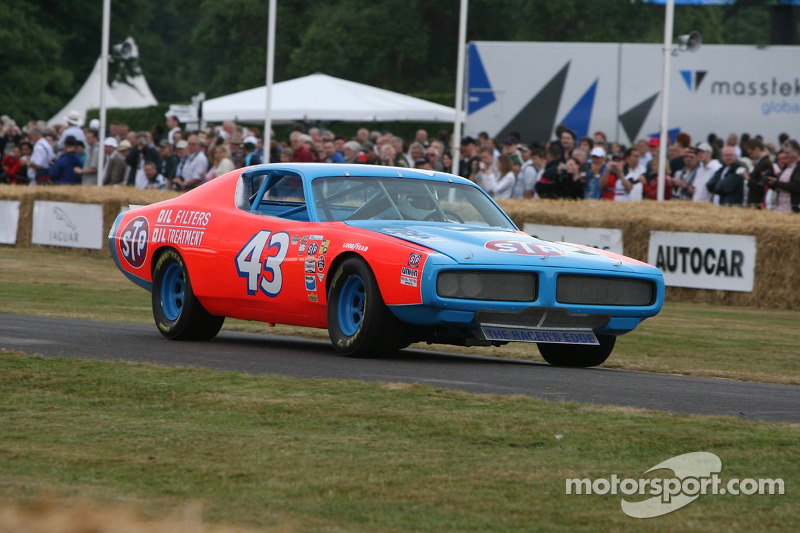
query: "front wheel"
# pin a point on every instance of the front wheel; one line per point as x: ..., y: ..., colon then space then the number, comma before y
x: 179, y: 315
x: 359, y: 323
x: 578, y: 355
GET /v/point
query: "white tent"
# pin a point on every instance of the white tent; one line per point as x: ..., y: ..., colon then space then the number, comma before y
x: 119, y: 95
x: 325, y: 98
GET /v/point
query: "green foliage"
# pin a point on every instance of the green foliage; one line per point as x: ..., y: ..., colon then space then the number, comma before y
x: 140, y: 119
x: 219, y: 46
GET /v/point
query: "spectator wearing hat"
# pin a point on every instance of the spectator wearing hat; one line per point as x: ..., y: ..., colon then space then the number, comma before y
x: 66, y: 169
x: 74, y: 123
x: 469, y: 157
x: 250, y: 145
x: 597, y: 166
x: 707, y: 166
x: 528, y: 174
x: 423, y: 163
x: 683, y: 179
x: 116, y: 169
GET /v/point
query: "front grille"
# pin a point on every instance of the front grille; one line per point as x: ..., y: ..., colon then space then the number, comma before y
x: 487, y: 285
x: 598, y: 290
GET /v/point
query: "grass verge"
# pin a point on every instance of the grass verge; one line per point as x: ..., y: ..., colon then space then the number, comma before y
x: 324, y: 455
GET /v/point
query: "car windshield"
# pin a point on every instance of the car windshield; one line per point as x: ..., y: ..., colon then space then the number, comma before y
x: 377, y: 198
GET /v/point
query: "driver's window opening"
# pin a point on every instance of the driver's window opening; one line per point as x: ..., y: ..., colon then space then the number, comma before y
x: 279, y: 195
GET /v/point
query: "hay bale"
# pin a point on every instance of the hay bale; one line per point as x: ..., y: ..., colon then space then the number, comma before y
x: 777, y: 235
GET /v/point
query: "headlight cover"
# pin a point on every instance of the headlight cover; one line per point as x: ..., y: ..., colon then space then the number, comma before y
x: 599, y: 290
x: 487, y: 285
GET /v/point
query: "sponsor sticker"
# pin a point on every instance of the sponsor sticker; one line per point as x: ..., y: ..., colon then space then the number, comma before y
x: 411, y: 272
x: 133, y: 244
x: 310, y: 265
x: 313, y: 248
x: 325, y: 245
x: 311, y: 283
x: 295, y: 239
x: 355, y: 246
x: 523, y: 247
x: 410, y: 282
x: 312, y: 297
x: 414, y: 260
x: 321, y: 263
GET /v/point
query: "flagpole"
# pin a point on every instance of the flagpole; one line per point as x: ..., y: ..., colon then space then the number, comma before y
x: 270, y: 68
x: 664, y: 139
x: 101, y: 135
x: 462, y: 37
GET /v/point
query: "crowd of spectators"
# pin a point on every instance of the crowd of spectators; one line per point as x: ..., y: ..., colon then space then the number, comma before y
x: 746, y: 172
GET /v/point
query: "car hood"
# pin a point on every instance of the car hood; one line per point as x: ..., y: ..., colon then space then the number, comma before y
x: 493, y: 246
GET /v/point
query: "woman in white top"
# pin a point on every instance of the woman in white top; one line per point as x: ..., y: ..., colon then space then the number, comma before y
x: 500, y: 184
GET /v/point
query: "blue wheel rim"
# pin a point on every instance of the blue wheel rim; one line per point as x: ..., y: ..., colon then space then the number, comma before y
x: 351, y: 306
x: 172, y: 292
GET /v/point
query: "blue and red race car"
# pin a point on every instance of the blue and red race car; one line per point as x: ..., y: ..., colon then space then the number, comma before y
x: 380, y: 256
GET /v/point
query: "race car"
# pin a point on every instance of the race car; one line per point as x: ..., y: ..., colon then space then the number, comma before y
x: 380, y: 256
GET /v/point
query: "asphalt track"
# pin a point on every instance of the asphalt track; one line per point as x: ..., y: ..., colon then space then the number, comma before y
x: 306, y: 358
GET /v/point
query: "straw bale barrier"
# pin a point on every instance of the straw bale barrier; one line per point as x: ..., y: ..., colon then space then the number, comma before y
x: 777, y: 269
x: 777, y: 234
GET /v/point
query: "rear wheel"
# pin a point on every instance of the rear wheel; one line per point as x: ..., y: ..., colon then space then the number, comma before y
x: 359, y: 323
x: 178, y: 314
x: 578, y: 355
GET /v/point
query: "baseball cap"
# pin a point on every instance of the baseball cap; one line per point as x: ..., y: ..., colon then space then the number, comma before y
x: 704, y: 147
x: 110, y: 141
x: 597, y: 152
x: 250, y: 139
x: 181, y: 144
x: 654, y: 141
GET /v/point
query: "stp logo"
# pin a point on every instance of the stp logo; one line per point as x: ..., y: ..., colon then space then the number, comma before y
x: 414, y: 260
x: 133, y: 241
x: 522, y: 247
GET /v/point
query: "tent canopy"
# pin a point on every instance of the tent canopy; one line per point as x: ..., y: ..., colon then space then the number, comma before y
x: 324, y: 98
x: 118, y: 95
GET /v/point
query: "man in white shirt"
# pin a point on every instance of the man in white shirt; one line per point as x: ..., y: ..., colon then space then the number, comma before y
x: 706, y: 168
x: 43, y: 155
x: 193, y: 171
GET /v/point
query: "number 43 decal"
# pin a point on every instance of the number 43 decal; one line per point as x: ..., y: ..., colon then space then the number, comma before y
x: 266, y: 276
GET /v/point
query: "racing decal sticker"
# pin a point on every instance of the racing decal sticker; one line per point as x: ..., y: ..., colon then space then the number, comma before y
x: 414, y: 260
x: 260, y: 261
x: 357, y: 246
x: 321, y: 263
x: 313, y: 247
x: 184, y: 227
x: 301, y: 249
x: 320, y: 277
x: 133, y: 245
x: 325, y: 245
x: 406, y: 280
x: 311, y: 283
x: 410, y: 272
x: 295, y: 239
x: 315, y: 237
x: 523, y: 247
x: 312, y: 297
x: 310, y: 265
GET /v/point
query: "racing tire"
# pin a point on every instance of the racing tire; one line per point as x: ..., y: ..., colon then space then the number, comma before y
x: 359, y: 323
x: 179, y: 315
x: 578, y: 355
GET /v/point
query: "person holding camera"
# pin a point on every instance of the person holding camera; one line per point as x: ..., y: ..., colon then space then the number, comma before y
x: 621, y: 181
